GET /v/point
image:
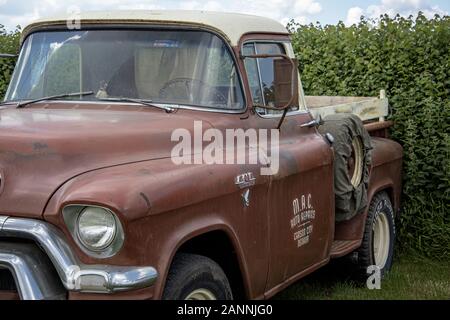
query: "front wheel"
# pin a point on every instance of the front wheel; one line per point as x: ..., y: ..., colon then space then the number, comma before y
x: 195, y: 277
x: 379, y: 235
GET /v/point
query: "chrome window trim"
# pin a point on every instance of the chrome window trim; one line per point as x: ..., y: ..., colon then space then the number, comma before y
x: 258, y: 67
x: 292, y: 113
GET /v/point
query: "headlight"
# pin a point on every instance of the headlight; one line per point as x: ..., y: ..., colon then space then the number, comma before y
x: 96, y: 228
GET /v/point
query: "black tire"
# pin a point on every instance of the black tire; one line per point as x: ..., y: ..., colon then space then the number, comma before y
x: 348, y: 131
x: 379, y: 206
x: 191, y: 272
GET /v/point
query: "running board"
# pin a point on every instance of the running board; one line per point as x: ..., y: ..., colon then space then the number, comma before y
x: 340, y: 248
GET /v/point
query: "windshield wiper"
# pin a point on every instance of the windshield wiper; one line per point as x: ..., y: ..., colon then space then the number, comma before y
x: 59, y: 96
x: 140, y: 101
x: 3, y: 103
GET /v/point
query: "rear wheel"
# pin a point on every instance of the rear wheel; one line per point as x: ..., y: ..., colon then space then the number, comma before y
x: 195, y: 277
x: 379, y: 235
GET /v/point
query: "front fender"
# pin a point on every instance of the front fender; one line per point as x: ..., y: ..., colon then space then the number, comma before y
x: 161, y: 205
x: 137, y: 190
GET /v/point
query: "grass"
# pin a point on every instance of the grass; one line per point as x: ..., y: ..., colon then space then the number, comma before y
x: 411, y: 277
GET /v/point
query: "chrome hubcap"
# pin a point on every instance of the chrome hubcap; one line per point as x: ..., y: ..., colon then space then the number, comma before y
x: 381, y: 240
x: 201, y: 294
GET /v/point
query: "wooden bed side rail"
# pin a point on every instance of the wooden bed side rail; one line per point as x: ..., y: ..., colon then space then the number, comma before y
x: 367, y: 108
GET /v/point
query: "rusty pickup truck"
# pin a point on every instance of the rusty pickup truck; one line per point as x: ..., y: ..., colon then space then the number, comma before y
x: 110, y: 190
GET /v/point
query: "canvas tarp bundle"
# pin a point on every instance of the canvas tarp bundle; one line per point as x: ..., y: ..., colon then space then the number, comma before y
x: 344, y: 128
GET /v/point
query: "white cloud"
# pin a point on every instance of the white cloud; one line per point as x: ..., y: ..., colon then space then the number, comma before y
x: 281, y: 10
x: 140, y: 6
x: 432, y: 11
x: 393, y: 7
x: 13, y: 12
x: 354, y: 15
x: 307, y: 6
x: 12, y: 21
x: 298, y: 19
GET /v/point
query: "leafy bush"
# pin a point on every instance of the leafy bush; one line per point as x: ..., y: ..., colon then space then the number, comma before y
x: 410, y: 59
x: 9, y: 43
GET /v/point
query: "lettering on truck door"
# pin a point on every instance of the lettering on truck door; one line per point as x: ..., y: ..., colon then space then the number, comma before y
x: 300, y: 201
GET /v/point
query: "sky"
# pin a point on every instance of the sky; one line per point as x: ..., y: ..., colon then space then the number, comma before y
x: 22, y: 12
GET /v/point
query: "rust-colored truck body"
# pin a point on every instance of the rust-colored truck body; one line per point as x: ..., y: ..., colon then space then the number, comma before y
x: 54, y: 154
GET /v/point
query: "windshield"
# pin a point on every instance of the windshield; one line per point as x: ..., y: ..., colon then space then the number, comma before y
x: 171, y: 67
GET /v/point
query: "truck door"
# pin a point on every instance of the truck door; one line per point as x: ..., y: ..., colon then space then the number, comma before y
x: 300, y: 198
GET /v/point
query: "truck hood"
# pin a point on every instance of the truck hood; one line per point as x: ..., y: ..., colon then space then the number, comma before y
x: 41, y: 149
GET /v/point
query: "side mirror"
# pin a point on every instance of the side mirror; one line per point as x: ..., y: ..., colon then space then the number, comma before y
x: 285, y: 83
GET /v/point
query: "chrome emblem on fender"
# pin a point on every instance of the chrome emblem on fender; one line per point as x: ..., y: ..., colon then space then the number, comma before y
x: 245, y: 180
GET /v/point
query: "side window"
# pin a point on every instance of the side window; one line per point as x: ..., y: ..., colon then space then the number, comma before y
x: 261, y: 74
x: 252, y: 68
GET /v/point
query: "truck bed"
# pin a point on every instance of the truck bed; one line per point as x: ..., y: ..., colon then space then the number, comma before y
x: 372, y: 110
x: 369, y: 109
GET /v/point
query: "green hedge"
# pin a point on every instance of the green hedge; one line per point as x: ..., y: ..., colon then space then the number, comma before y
x: 410, y: 59
x: 9, y: 43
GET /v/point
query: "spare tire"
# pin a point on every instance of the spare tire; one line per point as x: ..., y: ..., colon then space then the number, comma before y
x: 352, y: 152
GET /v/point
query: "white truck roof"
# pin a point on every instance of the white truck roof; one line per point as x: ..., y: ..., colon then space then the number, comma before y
x: 230, y: 25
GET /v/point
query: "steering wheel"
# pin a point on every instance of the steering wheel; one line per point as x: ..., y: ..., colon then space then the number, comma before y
x: 183, y: 89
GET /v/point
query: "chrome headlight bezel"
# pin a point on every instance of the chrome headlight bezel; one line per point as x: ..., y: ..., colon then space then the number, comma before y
x: 71, y: 215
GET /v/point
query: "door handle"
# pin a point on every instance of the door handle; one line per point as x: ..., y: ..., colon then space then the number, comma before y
x: 313, y: 123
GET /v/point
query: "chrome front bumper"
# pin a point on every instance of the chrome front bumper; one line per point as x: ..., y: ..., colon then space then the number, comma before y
x: 74, y: 275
